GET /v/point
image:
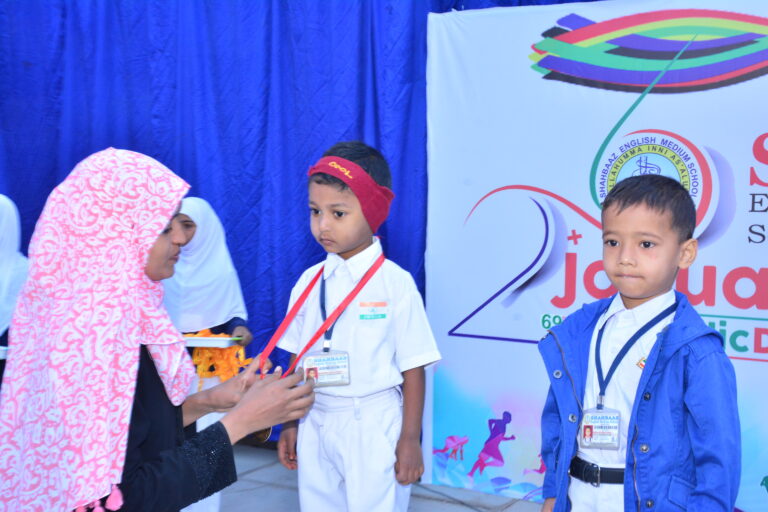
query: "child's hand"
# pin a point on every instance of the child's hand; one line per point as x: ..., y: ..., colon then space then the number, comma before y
x: 244, y: 334
x: 409, y: 465
x: 286, y: 445
x: 549, y: 505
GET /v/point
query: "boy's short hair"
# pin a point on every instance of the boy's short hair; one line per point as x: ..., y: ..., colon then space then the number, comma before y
x: 367, y: 157
x: 658, y: 193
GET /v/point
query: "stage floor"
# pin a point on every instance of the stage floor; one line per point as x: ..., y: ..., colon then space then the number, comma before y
x: 264, y: 484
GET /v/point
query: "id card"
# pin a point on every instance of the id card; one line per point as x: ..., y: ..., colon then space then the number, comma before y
x: 327, y: 368
x: 600, y: 429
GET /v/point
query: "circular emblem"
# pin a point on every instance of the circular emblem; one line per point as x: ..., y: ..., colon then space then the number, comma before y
x: 658, y: 152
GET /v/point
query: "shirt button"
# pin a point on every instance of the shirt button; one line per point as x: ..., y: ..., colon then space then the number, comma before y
x: 649, y: 503
x: 646, y: 396
x: 557, y: 374
x: 572, y: 418
x: 644, y: 448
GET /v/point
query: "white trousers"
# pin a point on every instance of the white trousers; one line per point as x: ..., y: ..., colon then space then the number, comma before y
x: 588, y: 498
x: 212, y: 502
x: 346, y: 455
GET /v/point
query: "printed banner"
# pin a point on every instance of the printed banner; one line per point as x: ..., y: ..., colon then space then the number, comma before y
x: 534, y: 114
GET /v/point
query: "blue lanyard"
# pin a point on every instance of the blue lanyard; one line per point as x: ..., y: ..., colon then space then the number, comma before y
x: 603, y: 381
x: 329, y: 332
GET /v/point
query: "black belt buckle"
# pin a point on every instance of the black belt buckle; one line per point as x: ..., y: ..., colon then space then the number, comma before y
x: 596, y: 469
x: 591, y: 473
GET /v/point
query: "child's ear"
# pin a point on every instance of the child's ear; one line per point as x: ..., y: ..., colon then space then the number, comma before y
x: 688, y: 253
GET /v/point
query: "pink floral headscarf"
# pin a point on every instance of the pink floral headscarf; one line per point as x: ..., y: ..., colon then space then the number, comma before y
x: 74, y: 340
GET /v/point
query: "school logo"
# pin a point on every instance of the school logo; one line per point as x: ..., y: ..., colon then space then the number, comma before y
x: 668, y: 51
x: 657, y: 152
x: 557, y: 271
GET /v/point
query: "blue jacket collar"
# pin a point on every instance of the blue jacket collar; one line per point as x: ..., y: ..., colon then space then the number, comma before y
x: 686, y: 327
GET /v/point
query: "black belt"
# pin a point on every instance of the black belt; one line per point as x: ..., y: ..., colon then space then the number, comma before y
x: 594, y: 474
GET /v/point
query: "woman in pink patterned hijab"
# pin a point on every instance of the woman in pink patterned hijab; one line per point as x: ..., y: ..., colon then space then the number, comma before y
x: 90, y: 309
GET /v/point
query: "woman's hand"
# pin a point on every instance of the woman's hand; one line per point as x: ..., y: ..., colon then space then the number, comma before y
x: 267, y: 363
x: 244, y: 334
x: 267, y: 402
x: 227, y: 394
x: 222, y: 397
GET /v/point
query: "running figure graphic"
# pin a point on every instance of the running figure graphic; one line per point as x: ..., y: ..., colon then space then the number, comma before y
x: 454, y: 446
x: 490, y: 455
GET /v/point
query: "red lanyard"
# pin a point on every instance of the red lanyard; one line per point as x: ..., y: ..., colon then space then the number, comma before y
x: 328, y: 321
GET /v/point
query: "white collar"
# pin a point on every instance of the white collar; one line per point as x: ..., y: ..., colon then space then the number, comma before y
x: 641, y: 314
x: 357, y: 265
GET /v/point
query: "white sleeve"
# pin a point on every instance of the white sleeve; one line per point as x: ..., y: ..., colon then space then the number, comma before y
x: 415, y: 343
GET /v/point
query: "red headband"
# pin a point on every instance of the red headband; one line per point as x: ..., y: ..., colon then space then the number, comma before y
x: 374, y: 198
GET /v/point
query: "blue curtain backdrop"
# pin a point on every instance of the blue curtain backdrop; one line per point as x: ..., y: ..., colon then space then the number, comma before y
x: 238, y: 97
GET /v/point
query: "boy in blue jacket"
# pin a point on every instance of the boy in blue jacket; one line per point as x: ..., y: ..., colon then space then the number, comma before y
x: 651, y: 423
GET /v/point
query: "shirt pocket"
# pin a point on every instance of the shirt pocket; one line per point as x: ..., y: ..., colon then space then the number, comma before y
x: 679, y: 491
x: 373, y: 323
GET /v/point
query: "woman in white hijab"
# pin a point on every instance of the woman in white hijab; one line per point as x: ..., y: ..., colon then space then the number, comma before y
x: 205, y: 293
x: 13, y: 269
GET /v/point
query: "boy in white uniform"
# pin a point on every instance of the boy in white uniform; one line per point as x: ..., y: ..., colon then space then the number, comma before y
x: 359, y: 447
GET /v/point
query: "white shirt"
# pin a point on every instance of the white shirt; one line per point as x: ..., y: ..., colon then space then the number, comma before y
x: 620, y: 324
x: 384, y: 329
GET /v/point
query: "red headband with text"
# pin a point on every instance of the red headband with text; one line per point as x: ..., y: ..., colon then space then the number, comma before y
x: 374, y: 198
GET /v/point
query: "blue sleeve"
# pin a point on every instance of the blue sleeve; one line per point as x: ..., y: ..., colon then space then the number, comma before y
x: 550, y: 443
x: 713, y: 427
x: 229, y: 326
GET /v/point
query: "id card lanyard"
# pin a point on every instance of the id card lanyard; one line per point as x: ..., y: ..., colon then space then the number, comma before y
x: 329, y: 332
x: 601, y: 427
x: 329, y: 367
x: 328, y: 321
x: 603, y: 381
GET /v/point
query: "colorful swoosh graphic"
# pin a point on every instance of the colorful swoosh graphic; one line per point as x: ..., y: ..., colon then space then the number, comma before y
x: 628, y: 53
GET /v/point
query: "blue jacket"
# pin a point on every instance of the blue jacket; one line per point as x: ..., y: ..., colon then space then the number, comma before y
x: 684, y: 447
